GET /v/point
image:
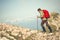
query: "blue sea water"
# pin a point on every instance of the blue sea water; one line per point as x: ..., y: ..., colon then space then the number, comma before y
x: 25, y: 24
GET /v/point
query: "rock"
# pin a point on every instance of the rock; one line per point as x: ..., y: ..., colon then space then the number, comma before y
x: 12, y: 32
x: 4, y: 38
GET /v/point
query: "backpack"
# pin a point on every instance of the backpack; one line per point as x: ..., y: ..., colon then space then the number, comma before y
x: 46, y: 14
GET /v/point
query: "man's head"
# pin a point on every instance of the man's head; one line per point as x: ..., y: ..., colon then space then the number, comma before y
x: 39, y: 9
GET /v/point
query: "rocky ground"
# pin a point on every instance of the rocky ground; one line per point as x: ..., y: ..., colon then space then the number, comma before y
x: 44, y: 36
x: 12, y: 32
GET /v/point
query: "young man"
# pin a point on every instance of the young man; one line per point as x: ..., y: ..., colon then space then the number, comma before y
x: 44, y: 15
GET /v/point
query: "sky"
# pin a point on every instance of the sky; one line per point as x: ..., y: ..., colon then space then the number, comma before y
x: 18, y: 10
x: 26, y: 8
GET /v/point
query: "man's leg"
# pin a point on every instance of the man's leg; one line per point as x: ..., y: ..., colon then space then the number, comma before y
x: 42, y: 24
x: 48, y: 26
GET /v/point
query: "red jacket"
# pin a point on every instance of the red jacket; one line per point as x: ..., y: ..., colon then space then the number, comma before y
x: 46, y: 14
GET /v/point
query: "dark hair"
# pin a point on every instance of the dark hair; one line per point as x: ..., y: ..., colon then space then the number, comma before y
x: 38, y: 9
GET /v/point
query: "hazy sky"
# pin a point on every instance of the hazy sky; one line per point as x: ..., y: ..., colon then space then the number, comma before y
x: 26, y: 8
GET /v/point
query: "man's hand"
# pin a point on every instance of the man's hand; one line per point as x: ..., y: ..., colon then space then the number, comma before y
x: 38, y: 17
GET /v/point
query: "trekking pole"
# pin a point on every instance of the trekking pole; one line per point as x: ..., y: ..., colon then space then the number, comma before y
x: 37, y: 23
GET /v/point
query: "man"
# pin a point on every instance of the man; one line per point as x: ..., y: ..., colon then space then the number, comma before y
x: 44, y: 15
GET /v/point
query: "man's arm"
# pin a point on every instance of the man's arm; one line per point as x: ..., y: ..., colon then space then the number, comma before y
x: 41, y: 14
